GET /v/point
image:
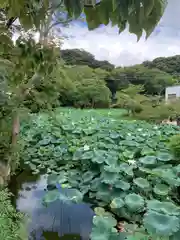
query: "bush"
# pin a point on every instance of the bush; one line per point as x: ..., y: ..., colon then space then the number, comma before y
x: 175, y: 145
x: 11, y: 222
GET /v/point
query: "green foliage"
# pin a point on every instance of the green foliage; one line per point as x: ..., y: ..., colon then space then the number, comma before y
x: 81, y: 57
x: 123, y: 165
x: 12, y: 223
x: 174, y: 145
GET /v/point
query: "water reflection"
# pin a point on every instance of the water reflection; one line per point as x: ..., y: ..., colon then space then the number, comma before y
x: 59, y: 220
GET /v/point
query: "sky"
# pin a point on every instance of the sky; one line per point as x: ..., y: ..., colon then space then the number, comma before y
x: 123, y: 50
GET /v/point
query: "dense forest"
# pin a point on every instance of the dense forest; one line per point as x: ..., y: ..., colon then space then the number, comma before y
x: 80, y: 80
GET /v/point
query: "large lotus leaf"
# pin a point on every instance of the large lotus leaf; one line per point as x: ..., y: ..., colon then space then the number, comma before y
x: 68, y: 128
x: 142, y: 183
x: 107, y: 221
x: 164, y: 156
x: 129, y: 143
x: 163, y: 207
x: 88, y: 176
x: 118, y: 193
x: 51, y: 196
x: 148, y: 160
x: 117, y: 203
x: 95, y: 183
x: 54, y: 178
x: 109, y: 177
x: 99, y: 211
x: 126, y: 168
x: 78, y: 154
x: 170, y: 177
x: 111, y: 168
x: 111, y: 160
x: 147, y: 151
x: 99, y: 156
x: 122, y: 185
x: 73, y: 195
x: 87, y: 155
x: 114, y: 135
x: 161, y: 189
x: 134, y: 202
x: 128, y: 154
x: 160, y: 224
x: 89, y: 131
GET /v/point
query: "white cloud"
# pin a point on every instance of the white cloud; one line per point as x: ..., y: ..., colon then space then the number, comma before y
x: 106, y: 44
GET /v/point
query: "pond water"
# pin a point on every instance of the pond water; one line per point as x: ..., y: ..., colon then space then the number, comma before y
x: 58, y: 220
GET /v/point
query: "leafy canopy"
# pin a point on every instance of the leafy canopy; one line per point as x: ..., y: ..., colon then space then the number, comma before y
x: 139, y: 15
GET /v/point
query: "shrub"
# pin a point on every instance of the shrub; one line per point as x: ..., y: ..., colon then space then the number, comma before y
x: 175, y: 145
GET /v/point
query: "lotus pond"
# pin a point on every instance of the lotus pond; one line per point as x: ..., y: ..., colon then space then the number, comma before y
x: 123, y: 168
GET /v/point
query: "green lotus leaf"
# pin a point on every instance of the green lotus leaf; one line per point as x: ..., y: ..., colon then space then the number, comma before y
x: 87, y: 155
x: 148, y: 160
x: 163, y: 207
x: 99, y: 211
x: 99, y: 233
x: 128, y: 154
x: 134, y: 202
x: 74, y: 195
x: 99, y: 156
x: 117, y: 203
x: 95, y: 184
x: 109, y: 177
x: 161, y: 189
x: 164, y: 157
x: 129, y: 143
x: 107, y: 221
x: 78, y: 154
x: 87, y: 176
x: 68, y: 128
x: 111, y: 168
x: 127, y: 169
x: 147, y: 151
x: 122, y: 185
x: 141, y: 183
x: 160, y: 224
x: 114, y: 135
x: 111, y: 160
x: 51, y: 196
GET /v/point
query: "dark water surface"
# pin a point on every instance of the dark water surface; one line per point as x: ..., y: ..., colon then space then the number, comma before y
x: 58, y: 220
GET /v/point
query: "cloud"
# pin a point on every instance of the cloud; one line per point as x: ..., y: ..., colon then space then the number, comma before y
x: 123, y: 50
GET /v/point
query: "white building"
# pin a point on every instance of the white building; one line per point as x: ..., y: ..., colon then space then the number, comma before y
x: 172, y: 93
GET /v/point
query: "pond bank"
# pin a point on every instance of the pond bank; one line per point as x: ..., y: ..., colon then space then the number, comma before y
x: 73, y: 221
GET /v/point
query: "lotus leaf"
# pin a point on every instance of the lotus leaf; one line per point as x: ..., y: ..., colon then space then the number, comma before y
x: 51, y: 196
x: 117, y: 203
x: 87, y: 155
x: 148, y: 160
x: 160, y: 224
x: 78, y: 154
x: 111, y: 168
x: 161, y: 189
x: 122, y: 185
x: 109, y: 177
x: 163, y: 207
x: 134, y: 202
x: 164, y: 156
x: 107, y: 221
x: 142, y: 183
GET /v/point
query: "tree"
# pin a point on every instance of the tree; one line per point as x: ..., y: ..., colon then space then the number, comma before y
x: 81, y: 57
x: 131, y: 99
x: 154, y: 80
x: 139, y: 15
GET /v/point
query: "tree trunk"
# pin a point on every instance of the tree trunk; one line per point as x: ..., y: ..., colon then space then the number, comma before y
x: 15, y: 129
